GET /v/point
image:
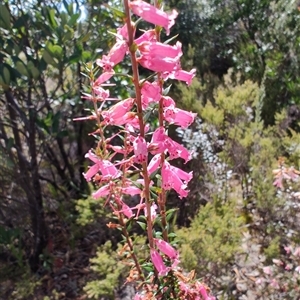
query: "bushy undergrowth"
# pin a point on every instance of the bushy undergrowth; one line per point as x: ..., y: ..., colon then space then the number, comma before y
x: 213, y: 238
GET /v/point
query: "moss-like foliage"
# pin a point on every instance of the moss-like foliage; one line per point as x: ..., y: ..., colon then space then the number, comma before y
x: 213, y: 238
x: 108, y: 268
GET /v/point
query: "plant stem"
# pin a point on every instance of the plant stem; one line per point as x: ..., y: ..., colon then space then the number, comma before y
x: 135, y: 71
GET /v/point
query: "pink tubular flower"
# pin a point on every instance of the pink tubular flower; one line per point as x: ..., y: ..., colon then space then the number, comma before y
x: 278, y: 182
x: 140, y: 150
x: 123, y: 31
x: 168, y: 102
x: 103, y: 191
x: 166, y: 249
x: 157, y: 144
x: 91, y: 117
x: 103, y: 78
x: 131, y: 190
x: 158, y: 263
x: 108, y: 170
x: 156, y: 49
x: 148, y: 36
x: 176, y: 150
x: 138, y: 297
x: 161, y: 142
x: 159, y: 63
x: 126, y: 210
x: 118, y: 111
x: 101, y: 94
x: 93, y: 170
x: 175, y: 178
x: 181, y: 75
x: 178, y: 116
x: 150, y: 93
x: 130, y: 118
x: 204, y: 293
x: 153, y: 15
x: 154, y: 163
x: 115, y: 56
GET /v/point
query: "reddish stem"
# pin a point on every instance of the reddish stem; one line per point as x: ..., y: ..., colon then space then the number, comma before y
x: 135, y: 71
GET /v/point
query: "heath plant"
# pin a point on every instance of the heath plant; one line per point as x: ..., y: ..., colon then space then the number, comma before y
x: 136, y: 160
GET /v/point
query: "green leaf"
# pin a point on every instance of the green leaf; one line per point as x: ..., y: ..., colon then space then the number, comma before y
x: 85, y: 37
x: 48, y: 58
x: 86, y: 55
x: 21, y: 68
x: 172, y: 235
x: 143, y: 225
x: 4, y: 17
x: 68, y: 7
x: 74, y: 58
x: 68, y: 33
x: 34, y: 72
x: 117, y: 12
x: 51, y: 17
x: 5, y: 75
x: 74, y: 19
x: 158, y: 234
x: 170, y: 213
x: 55, y: 50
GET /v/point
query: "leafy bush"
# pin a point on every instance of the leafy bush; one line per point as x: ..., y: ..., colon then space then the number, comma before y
x: 213, y: 239
x: 108, y: 267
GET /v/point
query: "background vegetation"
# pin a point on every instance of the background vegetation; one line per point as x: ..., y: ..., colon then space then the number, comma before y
x: 238, y: 231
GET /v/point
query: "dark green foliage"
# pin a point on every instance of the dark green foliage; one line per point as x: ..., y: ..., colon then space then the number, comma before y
x: 43, y: 51
x: 259, y: 39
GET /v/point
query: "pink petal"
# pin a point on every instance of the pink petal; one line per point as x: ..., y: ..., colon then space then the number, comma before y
x: 158, y: 263
x: 179, y: 117
x: 168, y: 101
x: 154, y: 164
x: 118, y: 110
x: 166, y: 248
x: 92, y: 171
x: 148, y: 36
x: 115, y: 56
x: 131, y: 190
x: 153, y: 213
x: 181, y: 75
x: 126, y: 210
x: 171, y: 179
x: 103, y: 191
x: 159, y: 64
x: 108, y: 170
x: 157, y: 49
x: 176, y: 150
x: 151, y: 92
x: 103, y: 78
x: 153, y: 15
x: 140, y: 150
x: 186, y: 177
